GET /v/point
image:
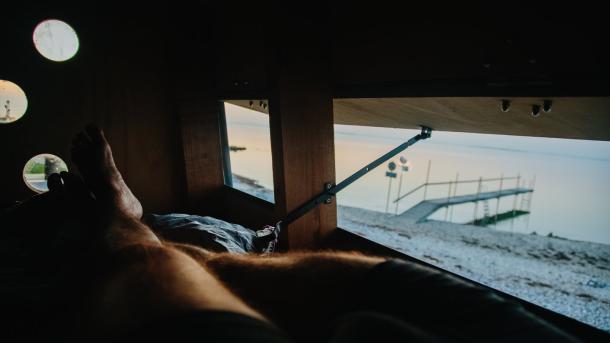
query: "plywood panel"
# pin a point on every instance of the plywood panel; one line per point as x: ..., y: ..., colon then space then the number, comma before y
x: 302, y: 136
x: 116, y: 80
x: 570, y: 117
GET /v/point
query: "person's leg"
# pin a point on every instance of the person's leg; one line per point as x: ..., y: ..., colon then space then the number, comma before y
x: 143, y: 280
x: 301, y: 292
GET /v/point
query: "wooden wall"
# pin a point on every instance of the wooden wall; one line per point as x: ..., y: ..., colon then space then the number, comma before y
x: 118, y: 79
x: 302, y: 136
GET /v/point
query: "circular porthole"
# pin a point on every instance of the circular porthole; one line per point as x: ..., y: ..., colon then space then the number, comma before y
x: 13, y: 102
x: 38, y: 168
x: 55, y: 40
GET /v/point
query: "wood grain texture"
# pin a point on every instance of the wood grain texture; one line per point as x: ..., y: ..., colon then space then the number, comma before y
x: 570, y: 117
x: 117, y: 80
x: 202, y: 155
x: 302, y: 135
x: 197, y: 107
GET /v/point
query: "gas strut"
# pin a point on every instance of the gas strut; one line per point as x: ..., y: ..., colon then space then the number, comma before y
x: 266, y: 238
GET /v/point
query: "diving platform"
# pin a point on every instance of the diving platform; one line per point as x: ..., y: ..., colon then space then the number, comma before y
x: 424, y: 209
x: 500, y: 217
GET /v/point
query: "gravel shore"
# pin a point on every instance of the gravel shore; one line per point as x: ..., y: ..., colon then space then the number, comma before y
x: 566, y: 276
x: 569, y: 277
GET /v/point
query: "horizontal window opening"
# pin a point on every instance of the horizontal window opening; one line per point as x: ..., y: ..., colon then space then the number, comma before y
x: 525, y: 215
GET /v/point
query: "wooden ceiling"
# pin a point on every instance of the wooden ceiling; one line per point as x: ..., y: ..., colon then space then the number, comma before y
x: 570, y: 117
x: 450, y: 66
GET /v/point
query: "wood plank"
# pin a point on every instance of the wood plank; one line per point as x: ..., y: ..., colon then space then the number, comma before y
x: 197, y: 107
x: 202, y: 154
x: 302, y: 135
x: 571, y: 117
x: 112, y: 82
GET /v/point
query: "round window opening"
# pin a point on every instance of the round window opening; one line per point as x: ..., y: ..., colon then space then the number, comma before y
x: 55, y: 40
x: 13, y: 102
x: 38, y: 169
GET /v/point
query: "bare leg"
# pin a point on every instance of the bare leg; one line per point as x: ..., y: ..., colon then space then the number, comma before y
x: 145, y: 279
x: 301, y: 292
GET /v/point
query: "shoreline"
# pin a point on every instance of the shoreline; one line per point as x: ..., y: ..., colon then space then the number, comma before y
x: 566, y: 276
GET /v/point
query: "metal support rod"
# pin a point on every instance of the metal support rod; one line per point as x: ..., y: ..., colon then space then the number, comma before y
x: 498, y: 200
x: 448, y: 199
x: 332, y: 190
x: 529, y: 203
x: 532, y: 185
x: 512, y: 220
x: 457, y: 179
x: 476, y: 201
x: 444, y: 183
x: 387, y: 202
x: 399, y: 188
x: 427, y: 179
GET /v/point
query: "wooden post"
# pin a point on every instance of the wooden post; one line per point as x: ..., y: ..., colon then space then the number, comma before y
x: 427, y: 179
x: 301, y: 123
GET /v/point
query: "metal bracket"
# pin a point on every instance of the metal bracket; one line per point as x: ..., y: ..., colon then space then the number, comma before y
x: 327, y: 189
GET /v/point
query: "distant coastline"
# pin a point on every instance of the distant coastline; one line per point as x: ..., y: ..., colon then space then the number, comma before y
x: 236, y: 148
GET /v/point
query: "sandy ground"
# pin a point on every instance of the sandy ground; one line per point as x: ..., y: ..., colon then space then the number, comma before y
x: 569, y: 277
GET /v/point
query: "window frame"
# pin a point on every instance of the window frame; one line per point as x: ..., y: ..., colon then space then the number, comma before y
x: 225, y: 149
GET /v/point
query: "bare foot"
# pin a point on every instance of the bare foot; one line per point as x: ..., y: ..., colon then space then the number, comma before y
x: 92, y: 155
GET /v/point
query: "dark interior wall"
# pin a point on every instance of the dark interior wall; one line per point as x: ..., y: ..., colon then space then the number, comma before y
x: 501, y: 48
x: 140, y: 73
x: 119, y: 79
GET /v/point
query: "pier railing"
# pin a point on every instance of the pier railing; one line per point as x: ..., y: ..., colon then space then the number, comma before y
x: 481, y: 195
x: 456, y: 182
